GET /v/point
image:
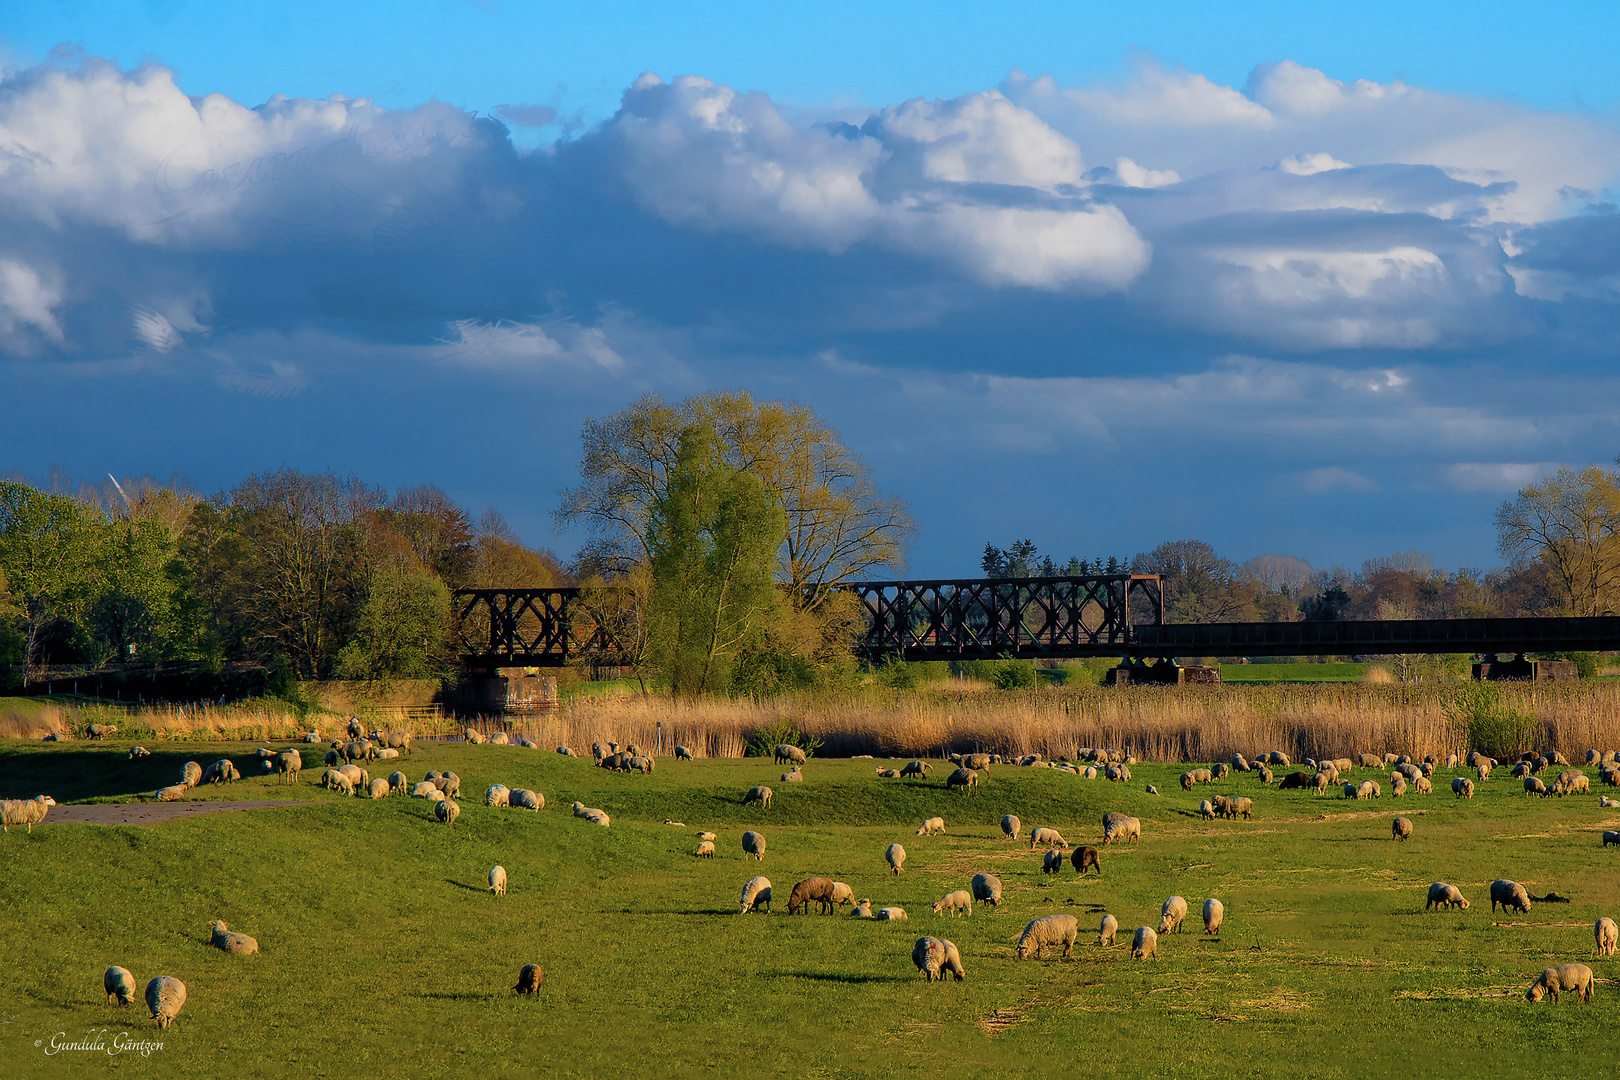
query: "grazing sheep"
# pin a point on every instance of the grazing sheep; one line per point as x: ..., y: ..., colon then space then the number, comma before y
x: 934, y: 957
x: 1107, y: 929
x: 895, y: 856
x: 916, y: 768
x: 705, y: 850
x: 289, y: 763
x: 1011, y: 827
x: 331, y: 758
x: 1172, y: 914
x: 888, y: 774
x: 1144, y: 943
x: 1571, y: 781
x: 931, y: 826
x: 474, y: 737
x: 643, y: 763
x: 1051, y: 931
x: 784, y: 754
x: 191, y: 774
x: 426, y: 789
x: 530, y: 979
x: 862, y: 909
x: 1483, y: 771
x: 524, y: 799
x: 1085, y: 855
x: 379, y: 788
x: 138, y: 751
x: 1534, y: 786
x: 1362, y: 791
x: 760, y: 794
x: 497, y: 881
x: 1206, y: 810
x: 31, y: 812
x: 1046, y: 838
x: 1610, y: 837
x: 817, y: 889
x: 1462, y: 787
x: 225, y: 941
x: 756, y: 893
x: 360, y: 778
x: 754, y: 844
x: 962, y: 778
x: 1423, y: 786
x: 172, y: 793
x: 1122, y: 829
x: 1052, y: 862
x: 891, y: 914
x: 1401, y: 829
x: 500, y: 738
x: 986, y: 889
x: 165, y: 997
x: 120, y: 985
x: 1397, y: 785
x: 842, y: 894
x: 1446, y: 896
x: 1573, y: 978
x: 1214, y: 913
x: 1510, y: 894
x: 959, y: 900
x: 498, y: 795
x: 446, y: 810
x: 1607, y: 936
x: 1151, y: 790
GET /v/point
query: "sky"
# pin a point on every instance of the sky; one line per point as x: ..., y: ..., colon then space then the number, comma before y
x: 1323, y: 280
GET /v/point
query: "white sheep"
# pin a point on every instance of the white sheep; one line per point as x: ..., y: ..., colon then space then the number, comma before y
x: 524, y: 799
x: 446, y: 810
x: 756, y: 893
x: 1206, y: 810
x: 1053, y: 930
x: 958, y: 901
x: 760, y: 794
x: 497, y: 795
x: 225, y: 941
x: 862, y: 909
x: 380, y: 788
x: 1144, y: 944
x: 707, y: 836
x: 1122, y: 829
x: 29, y: 812
x: 1572, y: 978
x: 172, y: 793
x: 1011, y: 826
x: 842, y: 894
x: 895, y: 856
x: 1446, y: 896
x: 793, y: 776
x: 1462, y: 787
x: 753, y: 843
x: 986, y: 889
x: 935, y: 956
x: 497, y: 881
x: 1214, y: 914
x: 1043, y: 837
x: 1607, y: 936
x: 891, y: 914
x: 705, y: 850
x: 931, y: 826
x: 1171, y: 915
x: 165, y: 997
x: 120, y: 985
x: 1052, y: 861
x: 1107, y: 929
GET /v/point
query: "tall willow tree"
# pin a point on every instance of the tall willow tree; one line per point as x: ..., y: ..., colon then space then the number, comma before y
x: 712, y: 538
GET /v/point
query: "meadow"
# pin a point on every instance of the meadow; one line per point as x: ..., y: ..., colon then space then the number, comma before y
x: 384, y: 952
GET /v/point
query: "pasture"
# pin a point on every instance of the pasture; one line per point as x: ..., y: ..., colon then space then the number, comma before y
x: 383, y: 951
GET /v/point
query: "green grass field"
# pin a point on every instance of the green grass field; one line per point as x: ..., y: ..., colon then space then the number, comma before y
x: 1268, y: 673
x: 384, y: 953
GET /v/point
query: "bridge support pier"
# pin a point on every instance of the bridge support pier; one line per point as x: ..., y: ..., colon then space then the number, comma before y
x: 1166, y: 672
x: 1491, y: 669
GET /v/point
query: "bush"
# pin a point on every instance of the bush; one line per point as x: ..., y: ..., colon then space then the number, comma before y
x: 1014, y: 675
x: 1586, y: 663
x: 896, y: 674
x: 763, y: 742
x: 1482, y: 720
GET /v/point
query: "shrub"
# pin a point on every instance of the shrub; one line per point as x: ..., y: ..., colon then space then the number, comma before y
x: 1586, y: 663
x: 1013, y: 675
x: 764, y: 740
x: 1482, y: 720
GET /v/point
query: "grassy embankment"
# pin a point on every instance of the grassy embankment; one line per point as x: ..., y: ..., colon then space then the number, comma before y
x: 384, y: 953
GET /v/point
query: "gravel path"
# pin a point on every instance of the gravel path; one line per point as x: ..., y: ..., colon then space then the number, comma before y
x: 155, y: 813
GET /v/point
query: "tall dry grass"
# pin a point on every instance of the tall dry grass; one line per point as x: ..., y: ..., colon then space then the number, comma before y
x: 1154, y: 723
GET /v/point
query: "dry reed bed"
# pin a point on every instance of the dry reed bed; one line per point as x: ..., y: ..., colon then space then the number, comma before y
x: 1155, y: 723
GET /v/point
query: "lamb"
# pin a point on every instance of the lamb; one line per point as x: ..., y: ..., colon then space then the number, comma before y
x: 1085, y: 855
x: 962, y: 778
x: 818, y: 889
x: 760, y: 794
x: 862, y: 909
x: 165, y: 997
x: 120, y: 984
x: 498, y: 795
x: 891, y: 914
x: 524, y: 799
x: 1574, y: 978
x: 842, y: 894
x: 754, y: 844
x: 138, y: 752
x: 1510, y: 894
x: 934, y: 957
x: 1263, y: 773
x: 1483, y: 770
x: 1607, y: 803
x: 986, y: 889
x: 289, y: 763
x: 1123, y: 829
x: 1053, y: 930
x: 1011, y: 826
x: 643, y: 763
x: 931, y: 826
x: 360, y: 778
x: 388, y: 754
x: 497, y: 881
x: 1172, y: 914
x: 895, y: 856
x: 707, y: 836
x: 1401, y: 829
x: 1607, y: 936
x: 380, y: 788
x: 916, y: 768
x: 1206, y: 810
x: 449, y: 783
x: 474, y: 737
x: 1046, y: 838
x: 1442, y: 895
x: 705, y: 850
x: 1151, y: 790
x: 530, y: 979
x: 1052, y: 862
x: 958, y: 901
x: 599, y: 817
x: 226, y: 941
x: 1144, y: 944
x: 1462, y: 787
x: 1214, y: 913
x: 191, y: 774
x: 446, y: 810
x: 31, y: 812
x: 756, y: 892
x: 1571, y: 781
x: 888, y: 774
x: 1107, y: 929
x: 172, y: 793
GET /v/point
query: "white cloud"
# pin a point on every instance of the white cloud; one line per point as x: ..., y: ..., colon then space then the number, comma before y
x: 1131, y: 174
x: 1310, y: 164
x: 1335, y: 480
x: 1495, y: 476
x: 528, y: 347
x: 1298, y: 90
x: 28, y: 299
x: 982, y: 138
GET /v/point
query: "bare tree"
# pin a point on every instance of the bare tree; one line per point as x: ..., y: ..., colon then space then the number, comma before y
x: 1570, y: 523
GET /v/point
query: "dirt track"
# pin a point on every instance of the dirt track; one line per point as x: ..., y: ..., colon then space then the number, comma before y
x: 155, y: 813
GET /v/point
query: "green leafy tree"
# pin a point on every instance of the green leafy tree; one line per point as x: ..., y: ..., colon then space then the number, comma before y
x: 50, y: 555
x: 714, y: 536
x: 401, y: 631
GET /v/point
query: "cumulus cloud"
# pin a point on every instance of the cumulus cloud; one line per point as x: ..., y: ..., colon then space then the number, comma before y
x: 28, y: 301
x: 1310, y: 164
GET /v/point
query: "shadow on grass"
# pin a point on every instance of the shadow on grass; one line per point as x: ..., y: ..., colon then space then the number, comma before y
x: 841, y: 977
x: 463, y: 995
x: 464, y: 885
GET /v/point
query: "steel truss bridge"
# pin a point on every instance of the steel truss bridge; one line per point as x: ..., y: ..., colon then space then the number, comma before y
x: 1105, y: 615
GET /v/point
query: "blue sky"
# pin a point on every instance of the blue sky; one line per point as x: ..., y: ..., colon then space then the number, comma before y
x: 1329, y: 282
